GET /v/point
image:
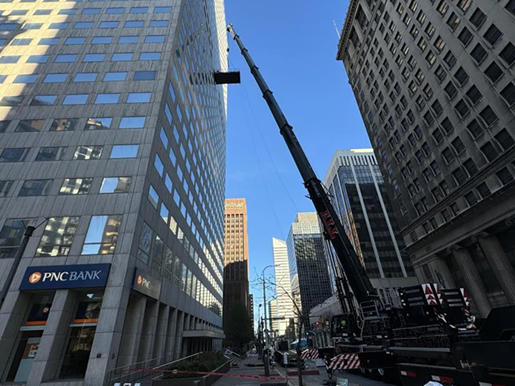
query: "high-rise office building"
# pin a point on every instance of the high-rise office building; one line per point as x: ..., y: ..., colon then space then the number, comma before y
x: 309, y: 269
x: 236, y: 266
x: 434, y: 81
x: 273, y: 322
x: 283, y: 290
x: 360, y: 199
x: 112, y: 143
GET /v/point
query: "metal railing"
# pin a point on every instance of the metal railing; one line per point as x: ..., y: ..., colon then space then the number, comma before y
x: 143, y: 369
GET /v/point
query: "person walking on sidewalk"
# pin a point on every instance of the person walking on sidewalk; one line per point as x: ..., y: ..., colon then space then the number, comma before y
x: 327, y: 361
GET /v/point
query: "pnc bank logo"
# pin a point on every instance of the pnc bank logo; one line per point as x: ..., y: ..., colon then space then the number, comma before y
x: 140, y: 280
x: 35, y: 277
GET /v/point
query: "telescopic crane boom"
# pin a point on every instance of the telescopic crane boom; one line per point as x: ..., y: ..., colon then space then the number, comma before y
x: 356, y: 275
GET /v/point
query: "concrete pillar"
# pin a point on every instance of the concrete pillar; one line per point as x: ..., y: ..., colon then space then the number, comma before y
x: 132, y: 330
x: 108, y: 335
x: 148, y: 335
x: 11, y: 317
x: 474, y: 283
x: 45, y: 365
x: 500, y: 264
x: 441, y: 272
x: 161, y: 333
x: 178, y: 335
x: 171, y: 333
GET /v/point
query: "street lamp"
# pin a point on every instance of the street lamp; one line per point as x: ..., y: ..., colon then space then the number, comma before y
x: 267, y: 368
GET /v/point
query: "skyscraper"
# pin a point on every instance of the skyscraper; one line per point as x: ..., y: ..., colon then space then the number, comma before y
x: 359, y: 197
x: 434, y: 84
x: 309, y: 269
x: 236, y: 266
x: 273, y: 322
x: 283, y: 290
x: 112, y: 143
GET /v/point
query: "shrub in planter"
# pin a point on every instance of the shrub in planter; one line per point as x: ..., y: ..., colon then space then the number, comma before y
x: 204, y: 362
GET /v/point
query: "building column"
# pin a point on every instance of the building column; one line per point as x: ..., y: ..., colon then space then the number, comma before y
x: 178, y: 335
x: 170, y: 335
x: 500, y: 264
x: 44, y: 367
x: 12, y: 313
x: 148, y: 335
x: 161, y: 332
x: 132, y: 330
x: 473, y: 281
x: 441, y: 272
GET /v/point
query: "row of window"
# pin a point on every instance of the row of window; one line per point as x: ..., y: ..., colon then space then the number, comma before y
x: 85, y: 11
x: 59, y: 233
x: 70, y: 186
x: 81, y: 77
x: 57, y: 153
x: 72, y: 124
x: 85, y: 25
x: 77, y: 99
x: 82, y: 40
x: 71, y: 58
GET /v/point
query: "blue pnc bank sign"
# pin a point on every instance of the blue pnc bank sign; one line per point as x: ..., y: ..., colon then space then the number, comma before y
x: 65, y: 276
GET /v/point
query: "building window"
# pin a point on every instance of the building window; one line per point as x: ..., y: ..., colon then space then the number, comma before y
x: 508, y: 93
x: 75, y: 99
x: 471, y: 167
x: 81, y: 335
x: 471, y: 199
x: 453, y: 21
x: 102, y: 235
x: 478, y: 53
x: 475, y: 128
x: 460, y: 176
x: 64, y: 124
x: 450, y: 59
x: 76, y: 186
x: 35, y: 188
x: 458, y: 145
x: 489, y: 151
x: 465, y: 36
x: 504, y: 139
x: 493, y: 72
x: 489, y: 116
x: 115, y: 185
x: 478, y: 18
x: 492, y: 35
x: 504, y: 176
x: 474, y: 95
x: 153, y: 197
x: 462, y: 108
x: 124, y: 151
x: 145, y: 243
x: 450, y: 90
x: 88, y: 152
x: 132, y: 122
x: 27, y: 126
x: 11, y: 236
x: 448, y: 154
x: 51, y: 153
x: 58, y: 237
x: 508, y: 54
x: 98, y: 123
x: 5, y: 187
x: 461, y: 76
x: 43, y: 100
x: 483, y: 190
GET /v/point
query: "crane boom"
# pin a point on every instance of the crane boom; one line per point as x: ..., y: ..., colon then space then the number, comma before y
x: 356, y: 275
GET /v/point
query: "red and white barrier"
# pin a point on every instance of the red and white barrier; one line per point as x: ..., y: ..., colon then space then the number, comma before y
x: 345, y: 362
x: 310, y: 354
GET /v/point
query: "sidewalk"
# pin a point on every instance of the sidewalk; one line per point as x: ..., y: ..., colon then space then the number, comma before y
x: 255, y: 369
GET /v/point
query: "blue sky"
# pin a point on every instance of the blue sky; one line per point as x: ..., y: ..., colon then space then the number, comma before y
x: 294, y: 43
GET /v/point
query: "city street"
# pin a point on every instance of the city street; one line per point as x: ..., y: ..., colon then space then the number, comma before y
x: 308, y: 380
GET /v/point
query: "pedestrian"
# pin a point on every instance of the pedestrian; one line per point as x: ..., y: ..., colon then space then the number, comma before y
x: 327, y: 361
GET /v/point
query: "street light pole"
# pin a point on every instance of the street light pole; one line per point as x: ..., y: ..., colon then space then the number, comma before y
x: 29, y: 230
x: 267, y: 363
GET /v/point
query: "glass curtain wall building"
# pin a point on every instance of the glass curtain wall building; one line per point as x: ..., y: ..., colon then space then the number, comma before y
x: 112, y: 141
x: 309, y: 269
x: 360, y: 199
x: 434, y: 82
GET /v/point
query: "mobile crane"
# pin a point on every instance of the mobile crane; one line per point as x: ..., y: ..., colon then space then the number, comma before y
x: 421, y: 340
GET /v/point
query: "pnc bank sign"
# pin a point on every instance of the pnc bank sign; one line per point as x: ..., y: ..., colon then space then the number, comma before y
x: 65, y: 276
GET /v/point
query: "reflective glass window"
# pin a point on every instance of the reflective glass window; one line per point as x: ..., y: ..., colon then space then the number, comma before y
x: 124, y: 151
x: 55, y: 78
x: 132, y: 122
x: 75, y: 99
x: 85, y: 77
x: 115, y: 76
x: 102, y: 235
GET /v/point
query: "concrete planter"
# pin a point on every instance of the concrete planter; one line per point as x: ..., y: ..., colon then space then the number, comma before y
x: 206, y: 380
